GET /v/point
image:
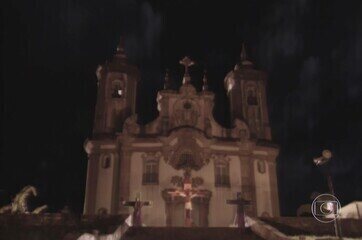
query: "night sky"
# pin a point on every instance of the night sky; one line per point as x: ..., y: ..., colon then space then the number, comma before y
x: 312, y: 51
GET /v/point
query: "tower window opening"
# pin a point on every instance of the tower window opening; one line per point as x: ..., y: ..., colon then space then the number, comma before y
x: 252, y: 98
x: 117, y: 90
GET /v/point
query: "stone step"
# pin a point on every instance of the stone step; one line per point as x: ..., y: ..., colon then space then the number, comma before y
x: 185, y: 233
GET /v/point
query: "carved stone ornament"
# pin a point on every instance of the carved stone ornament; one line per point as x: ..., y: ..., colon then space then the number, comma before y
x: 220, y: 158
x: 130, y: 126
x: 186, y: 112
x: 187, y: 154
x: 151, y: 155
x: 240, y: 130
x: 20, y: 203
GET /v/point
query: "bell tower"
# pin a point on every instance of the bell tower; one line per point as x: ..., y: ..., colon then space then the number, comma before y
x: 116, y: 98
x: 245, y: 87
x: 116, y: 101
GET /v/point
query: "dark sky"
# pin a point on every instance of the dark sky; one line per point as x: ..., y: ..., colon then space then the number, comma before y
x: 312, y: 51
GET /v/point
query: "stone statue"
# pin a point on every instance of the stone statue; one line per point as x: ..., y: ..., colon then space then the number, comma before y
x: 130, y: 126
x: 19, y: 205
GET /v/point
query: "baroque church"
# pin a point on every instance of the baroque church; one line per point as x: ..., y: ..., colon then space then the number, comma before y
x: 128, y: 160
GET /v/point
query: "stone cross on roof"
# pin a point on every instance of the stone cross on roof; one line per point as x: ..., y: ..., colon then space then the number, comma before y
x: 186, y: 62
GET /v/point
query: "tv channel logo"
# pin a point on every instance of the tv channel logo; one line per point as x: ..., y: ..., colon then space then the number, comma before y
x: 326, y: 208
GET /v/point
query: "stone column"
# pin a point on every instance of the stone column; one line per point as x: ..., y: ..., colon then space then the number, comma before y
x: 169, y: 206
x: 274, y: 194
x: 115, y: 185
x: 248, y: 183
x: 124, y: 178
x: 91, y: 185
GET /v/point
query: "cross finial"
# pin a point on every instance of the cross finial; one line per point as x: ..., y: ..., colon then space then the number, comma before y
x: 205, y: 87
x: 187, y: 62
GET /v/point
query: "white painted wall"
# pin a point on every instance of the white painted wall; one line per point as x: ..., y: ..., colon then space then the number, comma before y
x: 156, y: 214
x: 262, y: 185
x: 220, y: 213
x: 104, y: 185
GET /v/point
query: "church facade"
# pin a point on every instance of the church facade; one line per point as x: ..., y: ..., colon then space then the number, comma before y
x: 126, y: 159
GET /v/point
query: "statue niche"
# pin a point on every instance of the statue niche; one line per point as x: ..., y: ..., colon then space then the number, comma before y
x: 186, y: 113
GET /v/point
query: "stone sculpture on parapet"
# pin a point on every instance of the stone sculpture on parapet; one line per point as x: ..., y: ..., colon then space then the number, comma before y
x: 19, y: 204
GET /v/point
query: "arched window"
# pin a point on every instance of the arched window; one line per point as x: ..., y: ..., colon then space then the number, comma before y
x: 251, y: 97
x: 222, y: 178
x: 150, y: 172
x: 117, y: 89
x: 106, y: 161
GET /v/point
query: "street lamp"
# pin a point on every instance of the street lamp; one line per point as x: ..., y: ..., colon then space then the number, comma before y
x: 326, y: 156
x: 322, y: 162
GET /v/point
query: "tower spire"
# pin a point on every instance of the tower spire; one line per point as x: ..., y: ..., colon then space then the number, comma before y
x: 205, y: 87
x: 244, y: 59
x: 186, y: 62
x: 166, y: 84
x: 120, y: 53
x: 243, y: 55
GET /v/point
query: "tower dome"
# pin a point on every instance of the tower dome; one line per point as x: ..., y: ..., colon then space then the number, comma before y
x: 245, y: 88
x: 238, y: 72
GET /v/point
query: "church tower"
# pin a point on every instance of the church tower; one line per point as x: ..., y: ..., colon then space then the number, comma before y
x: 116, y: 100
x: 247, y: 96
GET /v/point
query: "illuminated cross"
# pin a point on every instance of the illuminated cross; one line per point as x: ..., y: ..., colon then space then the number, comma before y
x: 187, y: 62
x: 187, y: 193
